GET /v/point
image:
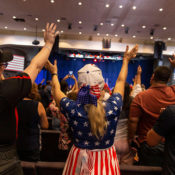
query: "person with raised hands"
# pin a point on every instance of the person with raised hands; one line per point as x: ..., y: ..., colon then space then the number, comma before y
x: 12, y: 90
x: 92, y: 123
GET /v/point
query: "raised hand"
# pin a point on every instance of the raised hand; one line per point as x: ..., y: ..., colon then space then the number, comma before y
x: 52, y: 68
x: 172, y: 61
x: 128, y: 55
x: 139, y: 70
x: 50, y: 33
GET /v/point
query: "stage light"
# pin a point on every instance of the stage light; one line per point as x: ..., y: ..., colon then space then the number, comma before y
x: 95, y: 60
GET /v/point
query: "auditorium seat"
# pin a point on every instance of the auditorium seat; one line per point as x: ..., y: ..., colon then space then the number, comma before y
x: 28, y: 168
x: 50, y: 151
x: 139, y: 170
x: 49, y: 168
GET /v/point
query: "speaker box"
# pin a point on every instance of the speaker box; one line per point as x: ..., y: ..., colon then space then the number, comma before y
x: 159, y: 46
x: 106, y: 43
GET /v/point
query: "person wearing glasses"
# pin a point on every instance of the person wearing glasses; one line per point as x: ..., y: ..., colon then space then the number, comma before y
x: 12, y: 90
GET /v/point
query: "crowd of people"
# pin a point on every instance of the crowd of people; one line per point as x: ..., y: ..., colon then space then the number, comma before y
x: 102, y: 128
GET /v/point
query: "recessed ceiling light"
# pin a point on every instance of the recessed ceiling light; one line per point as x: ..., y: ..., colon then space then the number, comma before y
x: 98, y: 34
x: 122, y: 25
x: 143, y: 27
x: 58, y: 20
x: 80, y: 22
x: 5, y: 27
x: 116, y: 35
x: 133, y: 36
x: 62, y: 31
x: 107, y: 34
x: 107, y: 5
x: 43, y: 30
x: 25, y: 28
x: 101, y: 24
x: 161, y: 9
x: 14, y: 17
x: 80, y: 3
x: 80, y: 33
x: 112, y: 24
x: 169, y: 39
x: 151, y: 37
x: 164, y: 28
x: 52, y: 1
x: 120, y: 6
x: 36, y: 19
x: 134, y: 7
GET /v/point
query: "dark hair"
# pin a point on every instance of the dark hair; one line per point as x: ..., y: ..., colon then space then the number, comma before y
x: 64, y: 86
x: 162, y: 73
x: 127, y: 99
x: 34, y: 94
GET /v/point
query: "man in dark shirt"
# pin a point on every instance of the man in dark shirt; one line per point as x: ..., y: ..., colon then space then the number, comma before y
x: 11, y: 91
x: 165, y: 127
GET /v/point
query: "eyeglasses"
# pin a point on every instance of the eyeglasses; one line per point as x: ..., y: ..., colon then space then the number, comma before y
x: 3, y: 64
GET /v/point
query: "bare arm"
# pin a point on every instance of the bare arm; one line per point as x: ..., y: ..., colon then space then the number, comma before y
x: 153, y: 138
x: 41, y: 58
x: 75, y: 87
x: 172, y: 61
x: 138, y: 76
x: 43, y: 117
x: 120, y: 83
x: 57, y: 93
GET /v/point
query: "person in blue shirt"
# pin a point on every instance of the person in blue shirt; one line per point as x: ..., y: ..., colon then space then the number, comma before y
x: 92, y: 122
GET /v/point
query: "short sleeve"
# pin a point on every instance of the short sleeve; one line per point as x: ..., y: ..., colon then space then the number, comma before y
x: 15, y: 88
x: 114, y: 105
x: 165, y: 122
x: 67, y: 107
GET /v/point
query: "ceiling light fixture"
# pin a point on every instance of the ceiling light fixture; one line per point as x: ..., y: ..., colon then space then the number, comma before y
x: 98, y: 34
x: 80, y: 22
x: 134, y: 7
x: 143, y: 27
x: 14, y: 17
x: 52, y: 1
x: 122, y: 25
x: 116, y: 35
x: 58, y: 20
x: 43, y: 30
x: 107, y: 34
x: 151, y: 37
x: 80, y: 3
x: 25, y: 28
x: 112, y: 24
x: 164, y: 28
x: 80, y: 33
x: 36, y: 19
x: 62, y: 31
x: 107, y: 5
x: 134, y: 36
x: 101, y: 24
x: 5, y: 27
x: 120, y: 6
x: 169, y: 39
x: 161, y: 9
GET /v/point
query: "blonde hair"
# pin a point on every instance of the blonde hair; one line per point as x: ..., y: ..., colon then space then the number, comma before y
x: 97, y: 119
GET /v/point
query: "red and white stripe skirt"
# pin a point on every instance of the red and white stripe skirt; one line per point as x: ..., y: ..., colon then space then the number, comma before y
x: 92, y: 162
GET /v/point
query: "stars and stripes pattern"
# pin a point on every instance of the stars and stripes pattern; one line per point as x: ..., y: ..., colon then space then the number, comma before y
x: 79, y: 122
x: 89, y: 162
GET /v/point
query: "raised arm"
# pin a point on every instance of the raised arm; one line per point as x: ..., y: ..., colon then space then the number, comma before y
x: 41, y: 58
x: 57, y: 93
x: 172, y: 61
x: 75, y: 87
x: 120, y: 83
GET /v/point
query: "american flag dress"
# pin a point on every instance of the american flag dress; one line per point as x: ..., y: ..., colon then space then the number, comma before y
x: 88, y: 155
